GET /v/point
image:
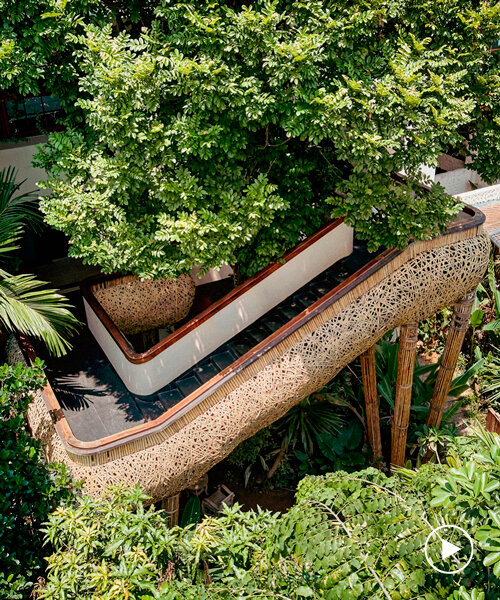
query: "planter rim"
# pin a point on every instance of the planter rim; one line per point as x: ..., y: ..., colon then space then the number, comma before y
x: 475, y: 215
x: 141, y: 357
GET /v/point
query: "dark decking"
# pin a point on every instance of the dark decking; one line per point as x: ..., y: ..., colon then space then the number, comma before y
x: 94, y: 400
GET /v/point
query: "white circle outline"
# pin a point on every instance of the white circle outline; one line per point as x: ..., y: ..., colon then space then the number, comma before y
x: 433, y: 566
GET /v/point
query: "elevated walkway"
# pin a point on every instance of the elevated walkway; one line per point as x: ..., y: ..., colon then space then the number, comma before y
x: 169, y: 440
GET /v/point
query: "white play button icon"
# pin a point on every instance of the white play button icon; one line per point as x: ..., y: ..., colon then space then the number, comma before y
x: 448, y: 549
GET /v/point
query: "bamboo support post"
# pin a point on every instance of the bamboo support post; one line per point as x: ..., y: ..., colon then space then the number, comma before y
x: 454, y: 341
x: 493, y: 421
x: 406, y: 364
x: 171, y: 507
x: 368, y: 372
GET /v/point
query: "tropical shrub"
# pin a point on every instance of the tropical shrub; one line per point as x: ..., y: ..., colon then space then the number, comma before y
x: 307, y: 421
x: 313, y: 437
x: 342, y: 451
x: 37, y: 41
x: 490, y: 378
x: 432, y: 331
x: 224, y: 133
x: 113, y: 547
x: 485, y: 317
x: 350, y: 536
x: 470, y: 490
x: 248, y: 452
x: 29, y: 489
x: 26, y: 305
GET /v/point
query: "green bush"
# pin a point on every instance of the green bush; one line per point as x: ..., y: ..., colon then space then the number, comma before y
x: 37, y: 40
x: 113, y: 547
x: 222, y: 133
x: 247, y: 453
x: 29, y: 489
x: 350, y: 536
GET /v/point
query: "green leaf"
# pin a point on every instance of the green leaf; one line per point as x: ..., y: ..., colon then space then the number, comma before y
x: 331, y: 446
x: 492, y: 326
x: 192, y: 512
x: 304, y: 591
x: 476, y: 318
x: 491, y: 559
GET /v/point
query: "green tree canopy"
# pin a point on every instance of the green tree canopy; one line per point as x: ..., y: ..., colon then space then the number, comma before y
x: 37, y: 41
x: 211, y: 132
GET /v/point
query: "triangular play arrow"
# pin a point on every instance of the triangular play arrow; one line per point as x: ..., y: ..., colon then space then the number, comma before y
x: 448, y: 549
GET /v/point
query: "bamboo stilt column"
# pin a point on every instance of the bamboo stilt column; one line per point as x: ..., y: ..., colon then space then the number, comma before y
x: 368, y: 372
x: 406, y: 364
x: 171, y: 507
x: 493, y: 421
x: 454, y: 341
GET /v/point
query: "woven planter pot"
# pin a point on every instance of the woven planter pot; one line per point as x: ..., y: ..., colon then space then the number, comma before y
x: 136, y: 305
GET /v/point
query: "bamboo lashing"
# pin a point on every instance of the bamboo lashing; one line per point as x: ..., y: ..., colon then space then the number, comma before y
x: 368, y: 372
x: 454, y: 341
x: 404, y: 382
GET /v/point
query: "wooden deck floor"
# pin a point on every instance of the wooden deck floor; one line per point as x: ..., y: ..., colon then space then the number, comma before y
x: 488, y: 201
x: 492, y: 224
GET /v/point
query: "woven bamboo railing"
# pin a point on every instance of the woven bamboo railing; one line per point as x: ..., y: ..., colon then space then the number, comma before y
x: 166, y: 458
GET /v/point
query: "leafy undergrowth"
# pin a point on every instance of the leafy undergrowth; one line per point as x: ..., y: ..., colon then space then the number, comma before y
x: 349, y: 536
x: 29, y: 489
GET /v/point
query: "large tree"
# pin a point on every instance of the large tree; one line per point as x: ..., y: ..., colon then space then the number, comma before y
x: 212, y: 132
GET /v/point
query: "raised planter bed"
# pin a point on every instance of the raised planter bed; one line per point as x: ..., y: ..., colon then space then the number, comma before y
x: 147, y: 372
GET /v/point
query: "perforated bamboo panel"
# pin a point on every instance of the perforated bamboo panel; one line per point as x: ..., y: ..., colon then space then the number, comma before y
x: 418, y: 282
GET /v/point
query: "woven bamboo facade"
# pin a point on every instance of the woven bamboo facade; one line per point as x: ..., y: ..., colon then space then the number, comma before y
x: 136, y: 305
x: 412, y: 286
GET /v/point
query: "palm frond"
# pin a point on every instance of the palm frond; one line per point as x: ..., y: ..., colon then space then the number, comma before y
x: 28, y: 307
x: 16, y: 210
